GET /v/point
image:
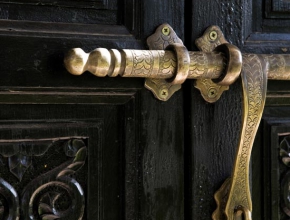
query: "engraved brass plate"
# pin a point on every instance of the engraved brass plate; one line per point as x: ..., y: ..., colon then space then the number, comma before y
x: 160, y: 67
x: 163, y: 37
x: 211, y: 38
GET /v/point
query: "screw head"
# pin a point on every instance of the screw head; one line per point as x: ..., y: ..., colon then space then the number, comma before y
x: 163, y: 93
x: 212, y: 93
x: 165, y: 31
x: 213, y: 35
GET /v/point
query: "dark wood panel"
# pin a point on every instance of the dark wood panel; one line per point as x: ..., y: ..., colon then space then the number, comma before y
x: 26, y: 151
x: 277, y: 9
x: 55, y: 14
x: 268, y: 31
x: 72, y: 11
x: 41, y: 57
x: 135, y: 165
x: 162, y: 157
x: 27, y: 95
x: 280, y: 5
x: 226, y: 14
x: 63, y: 3
x: 212, y: 130
x: 82, y: 16
x: 268, y: 168
x: 125, y: 166
x: 263, y: 31
x: 109, y: 178
x: 170, y: 12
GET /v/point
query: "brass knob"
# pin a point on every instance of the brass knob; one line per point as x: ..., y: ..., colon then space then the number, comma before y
x: 97, y: 62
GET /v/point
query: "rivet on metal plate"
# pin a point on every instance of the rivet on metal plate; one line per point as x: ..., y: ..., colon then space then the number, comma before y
x: 166, y: 31
x: 213, y: 35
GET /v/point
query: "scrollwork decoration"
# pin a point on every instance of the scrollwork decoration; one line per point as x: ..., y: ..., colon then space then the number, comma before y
x: 285, y: 178
x: 285, y: 151
x: 20, y: 155
x: 56, y: 195
x: 9, y: 202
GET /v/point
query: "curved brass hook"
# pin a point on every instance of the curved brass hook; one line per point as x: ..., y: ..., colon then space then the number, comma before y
x: 235, y: 192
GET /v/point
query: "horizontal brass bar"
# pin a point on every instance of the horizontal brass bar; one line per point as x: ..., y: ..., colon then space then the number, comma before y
x: 162, y: 64
x: 279, y: 66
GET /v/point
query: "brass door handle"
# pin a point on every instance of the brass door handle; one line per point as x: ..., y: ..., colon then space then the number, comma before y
x: 164, y: 69
x: 215, y: 68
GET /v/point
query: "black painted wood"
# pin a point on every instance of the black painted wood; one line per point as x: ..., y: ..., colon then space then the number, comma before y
x: 212, y: 131
x: 134, y: 167
x: 146, y: 159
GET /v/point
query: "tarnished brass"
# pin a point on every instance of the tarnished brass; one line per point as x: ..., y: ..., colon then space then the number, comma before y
x: 158, y: 64
x: 162, y: 38
x: 165, y: 30
x: 183, y: 62
x: 215, y: 68
x: 234, y: 198
x: 234, y: 64
x: 162, y: 69
x: 212, y: 37
x: 162, y: 65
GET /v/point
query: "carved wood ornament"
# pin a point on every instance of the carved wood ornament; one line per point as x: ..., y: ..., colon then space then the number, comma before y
x: 55, y: 194
x: 168, y: 64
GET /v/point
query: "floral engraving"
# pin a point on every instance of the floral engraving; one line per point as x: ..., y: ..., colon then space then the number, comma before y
x: 254, y: 81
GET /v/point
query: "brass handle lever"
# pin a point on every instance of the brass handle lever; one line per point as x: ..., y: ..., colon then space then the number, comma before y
x: 214, y: 69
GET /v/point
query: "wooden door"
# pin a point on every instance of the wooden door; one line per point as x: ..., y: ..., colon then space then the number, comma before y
x: 104, y: 148
x: 260, y: 27
x: 85, y: 147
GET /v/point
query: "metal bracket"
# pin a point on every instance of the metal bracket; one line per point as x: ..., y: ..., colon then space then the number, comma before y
x: 167, y: 65
x: 215, y: 68
x: 212, y: 37
x: 163, y: 37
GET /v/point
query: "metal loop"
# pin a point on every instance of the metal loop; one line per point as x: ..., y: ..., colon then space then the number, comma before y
x: 242, y: 213
x: 183, y: 61
x: 234, y: 65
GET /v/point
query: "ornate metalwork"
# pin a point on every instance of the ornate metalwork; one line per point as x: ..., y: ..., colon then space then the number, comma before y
x: 154, y: 64
x: 234, y: 197
x: 215, y: 70
x: 212, y: 37
x: 160, y: 66
x: 161, y: 39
